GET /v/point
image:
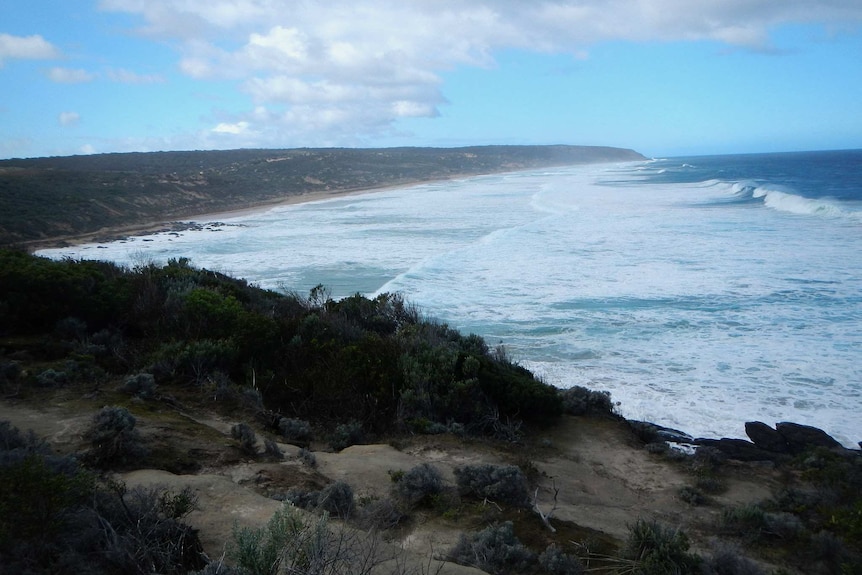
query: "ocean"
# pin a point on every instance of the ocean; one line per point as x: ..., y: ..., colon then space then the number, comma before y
x: 701, y: 292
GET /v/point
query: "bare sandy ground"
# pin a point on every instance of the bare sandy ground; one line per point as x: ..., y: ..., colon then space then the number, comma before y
x: 603, y: 479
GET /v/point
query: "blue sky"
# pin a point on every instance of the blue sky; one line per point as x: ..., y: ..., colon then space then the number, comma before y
x: 665, y: 77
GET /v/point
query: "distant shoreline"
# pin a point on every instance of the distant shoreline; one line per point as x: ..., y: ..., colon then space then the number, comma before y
x: 115, y: 233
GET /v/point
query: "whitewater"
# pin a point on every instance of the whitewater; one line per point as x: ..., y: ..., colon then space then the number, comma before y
x: 700, y: 292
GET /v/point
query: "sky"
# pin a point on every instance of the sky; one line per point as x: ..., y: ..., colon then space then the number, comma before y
x: 664, y: 77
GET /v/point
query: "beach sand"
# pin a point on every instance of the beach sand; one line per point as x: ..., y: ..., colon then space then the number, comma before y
x: 180, y: 222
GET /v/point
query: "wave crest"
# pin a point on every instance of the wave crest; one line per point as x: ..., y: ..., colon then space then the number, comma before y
x: 785, y: 200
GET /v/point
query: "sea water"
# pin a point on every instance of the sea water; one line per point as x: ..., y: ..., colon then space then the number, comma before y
x: 700, y: 292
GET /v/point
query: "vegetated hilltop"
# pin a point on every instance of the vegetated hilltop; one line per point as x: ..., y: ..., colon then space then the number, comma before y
x: 64, y: 197
x: 284, y: 432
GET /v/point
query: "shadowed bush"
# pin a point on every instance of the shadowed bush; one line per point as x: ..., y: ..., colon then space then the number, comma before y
x: 246, y: 437
x: 295, y: 429
x: 579, y: 400
x: 113, y: 438
x: 499, y: 483
x: 418, y: 484
x: 658, y: 550
x: 336, y: 498
x: 554, y: 562
x: 494, y: 550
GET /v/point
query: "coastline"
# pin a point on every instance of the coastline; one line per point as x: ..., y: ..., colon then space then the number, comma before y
x: 185, y: 221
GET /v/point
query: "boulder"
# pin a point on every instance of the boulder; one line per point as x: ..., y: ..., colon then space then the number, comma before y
x: 650, y: 432
x: 765, y: 437
x: 800, y: 438
x: 738, y: 449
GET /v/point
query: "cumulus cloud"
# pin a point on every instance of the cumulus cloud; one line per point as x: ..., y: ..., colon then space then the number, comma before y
x: 350, y: 69
x: 70, y: 75
x: 68, y: 118
x: 26, y: 47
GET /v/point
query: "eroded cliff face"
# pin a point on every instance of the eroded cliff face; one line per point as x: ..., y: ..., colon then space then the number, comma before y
x: 47, y: 198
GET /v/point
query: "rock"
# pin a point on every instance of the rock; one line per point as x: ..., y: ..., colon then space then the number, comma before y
x: 650, y: 432
x: 739, y: 449
x: 800, y: 438
x: 765, y: 437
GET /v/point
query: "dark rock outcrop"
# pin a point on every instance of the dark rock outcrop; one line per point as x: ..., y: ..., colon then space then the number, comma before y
x: 765, y: 437
x: 649, y: 432
x: 739, y: 449
x: 800, y: 438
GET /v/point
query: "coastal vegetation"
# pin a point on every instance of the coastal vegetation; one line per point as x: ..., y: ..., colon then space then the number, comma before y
x: 50, y: 199
x: 308, y: 373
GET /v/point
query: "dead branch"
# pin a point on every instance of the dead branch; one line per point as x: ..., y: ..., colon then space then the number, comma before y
x: 546, y: 517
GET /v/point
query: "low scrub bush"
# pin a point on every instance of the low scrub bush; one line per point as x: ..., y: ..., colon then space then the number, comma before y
x: 499, y: 483
x: 113, y: 438
x: 141, y: 385
x: 494, y: 550
x: 292, y: 543
x: 554, y: 562
x: 336, y: 498
x: 246, y: 437
x: 307, y: 457
x: 271, y: 449
x: 418, y: 484
x: 380, y: 515
x: 55, y: 518
x: 692, y: 495
x: 345, y: 435
x: 579, y: 400
x: 52, y: 378
x: 656, y: 550
x: 295, y: 429
x: 728, y: 560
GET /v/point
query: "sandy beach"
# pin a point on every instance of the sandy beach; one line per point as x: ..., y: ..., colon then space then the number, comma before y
x: 179, y: 222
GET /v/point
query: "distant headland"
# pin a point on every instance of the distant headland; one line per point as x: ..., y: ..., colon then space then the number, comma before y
x: 50, y: 200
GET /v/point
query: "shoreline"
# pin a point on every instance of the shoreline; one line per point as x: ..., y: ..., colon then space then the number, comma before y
x: 182, y: 222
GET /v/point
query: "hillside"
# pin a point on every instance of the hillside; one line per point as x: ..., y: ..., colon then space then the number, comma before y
x: 175, y: 410
x: 45, y: 199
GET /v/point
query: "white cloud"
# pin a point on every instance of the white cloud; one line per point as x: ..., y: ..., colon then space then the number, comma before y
x: 70, y: 75
x: 343, y: 70
x: 124, y: 76
x: 26, y: 47
x: 87, y: 149
x: 68, y: 118
x: 227, y: 128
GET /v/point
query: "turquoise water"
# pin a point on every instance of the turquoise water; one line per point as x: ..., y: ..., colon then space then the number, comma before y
x: 701, y: 292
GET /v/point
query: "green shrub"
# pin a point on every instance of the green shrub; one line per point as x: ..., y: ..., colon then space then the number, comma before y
x: 295, y: 429
x: 692, y: 495
x: 55, y: 518
x: 418, y: 484
x: 380, y: 515
x: 554, y: 562
x: 658, y: 550
x: 113, y: 438
x: 246, y: 437
x: 141, y: 384
x: 579, y: 400
x: 52, y: 378
x: 748, y: 521
x: 271, y: 449
x: 307, y: 458
x: 336, y: 498
x: 494, y: 550
x: 499, y: 483
x: 291, y: 543
x: 727, y: 560
x: 345, y: 435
